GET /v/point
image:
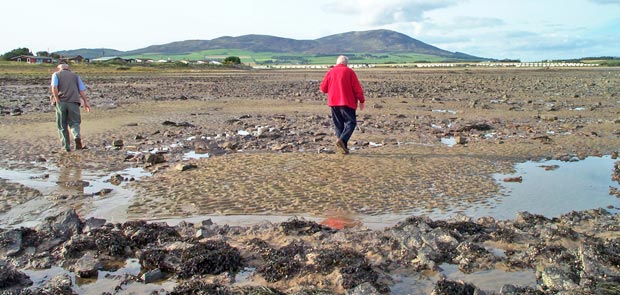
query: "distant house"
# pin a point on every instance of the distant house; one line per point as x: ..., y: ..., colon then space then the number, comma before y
x: 109, y: 59
x: 31, y: 59
x: 73, y: 59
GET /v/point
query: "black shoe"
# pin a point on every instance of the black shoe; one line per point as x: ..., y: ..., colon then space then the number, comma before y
x: 78, y: 144
x: 342, y: 147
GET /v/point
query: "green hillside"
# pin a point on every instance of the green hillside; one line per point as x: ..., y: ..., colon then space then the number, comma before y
x: 274, y: 58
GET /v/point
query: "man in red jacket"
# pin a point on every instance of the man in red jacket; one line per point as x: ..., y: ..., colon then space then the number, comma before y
x: 343, y: 92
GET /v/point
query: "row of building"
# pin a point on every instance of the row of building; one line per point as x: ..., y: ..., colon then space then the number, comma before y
x: 79, y: 59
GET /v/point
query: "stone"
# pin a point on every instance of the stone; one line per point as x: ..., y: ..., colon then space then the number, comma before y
x: 87, y: 266
x: 185, y: 167
x: 93, y: 223
x: 118, y: 143
x: 152, y: 276
x: 155, y: 158
x: 116, y: 179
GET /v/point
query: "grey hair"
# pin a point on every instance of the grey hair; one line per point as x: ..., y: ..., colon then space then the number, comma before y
x: 342, y: 60
x: 63, y: 66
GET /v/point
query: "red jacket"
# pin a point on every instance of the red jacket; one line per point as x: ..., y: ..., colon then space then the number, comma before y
x: 342, y: 87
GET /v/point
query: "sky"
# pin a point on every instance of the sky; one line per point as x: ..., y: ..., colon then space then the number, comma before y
x: 529, y: 30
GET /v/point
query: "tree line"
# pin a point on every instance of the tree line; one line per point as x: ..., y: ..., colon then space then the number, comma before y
x: 25, y: 51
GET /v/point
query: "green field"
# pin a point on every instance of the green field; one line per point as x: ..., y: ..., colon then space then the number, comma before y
x: 272, y: 58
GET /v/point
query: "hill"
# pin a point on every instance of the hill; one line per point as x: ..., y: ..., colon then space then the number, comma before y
x: 374, y: 42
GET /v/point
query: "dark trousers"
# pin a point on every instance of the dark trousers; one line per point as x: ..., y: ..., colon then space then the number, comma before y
x: 345, y: 122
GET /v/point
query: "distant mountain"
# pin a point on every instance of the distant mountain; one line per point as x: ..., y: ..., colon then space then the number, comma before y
x: 91, y: 53
x: 374, y: 41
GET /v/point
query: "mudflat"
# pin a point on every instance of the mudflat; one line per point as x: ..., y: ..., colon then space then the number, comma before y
x: 429, y: 140
x: 271, y: 145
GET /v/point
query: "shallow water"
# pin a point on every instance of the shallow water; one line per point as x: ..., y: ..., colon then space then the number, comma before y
x: 488, y: 280
x: 105, y: 281
x: 64, y: 187
x: 579, y: 185
x: 572, y: 186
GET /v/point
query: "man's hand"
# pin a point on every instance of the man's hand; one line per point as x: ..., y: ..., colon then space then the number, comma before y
x: 361, y: 106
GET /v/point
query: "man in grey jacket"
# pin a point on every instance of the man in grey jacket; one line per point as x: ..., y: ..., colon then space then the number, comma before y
x: 68, y: 94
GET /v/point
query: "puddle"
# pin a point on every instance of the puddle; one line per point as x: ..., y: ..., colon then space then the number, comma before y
x: 105, y: 281
x: 453, y: 112
x: 194, y: 155
x: 568, y: 186
x: 491, y: 280
x: 449, y: 141
x: 63, y: 185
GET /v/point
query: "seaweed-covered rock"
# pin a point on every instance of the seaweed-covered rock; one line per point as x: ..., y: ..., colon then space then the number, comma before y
x: 352, y: 266
x: 210, y: 257
x: 472, y: 257
x: 447, y: 287
x: 11, y: 278
x: 282, y: 263
x: 302, y: 227
x: 62, y: 226
x: 143, y: 233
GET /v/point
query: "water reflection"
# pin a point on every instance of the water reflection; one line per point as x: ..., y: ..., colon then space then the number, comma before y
x: 553, y: 188
x: 70, y: 180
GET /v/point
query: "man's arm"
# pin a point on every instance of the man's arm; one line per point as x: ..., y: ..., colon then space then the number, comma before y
x: 55, y: 98
x: 54, y: 88
x: 82, y: 89
x: 86, y: 105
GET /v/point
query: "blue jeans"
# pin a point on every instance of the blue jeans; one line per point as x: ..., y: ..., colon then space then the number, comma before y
x: 345, y: 122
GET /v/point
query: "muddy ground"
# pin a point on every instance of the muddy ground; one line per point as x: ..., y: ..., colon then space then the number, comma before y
x: 271, y: 152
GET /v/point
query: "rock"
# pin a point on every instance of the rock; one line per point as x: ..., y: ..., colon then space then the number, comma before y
x: 155, y: 158
x: 549, y: 118
x: 87, y: 266
x: 103, y: 192
x: 60, y: 284
x: 62, y: 226
x: 152, y: 276
x: 118, y: 143
x: 16, y: 112
x: 513, y: 179
x: 11, y: 243
x: 11, y: 278
x: 230, y: 145
x: 185, y: 167
x: 549, y: 167
x: 460, y: 139
x: 557, y: 278
x: 363, y: 289
x: 116, y: 179
x: 93, y: 223
x: 445, y: 287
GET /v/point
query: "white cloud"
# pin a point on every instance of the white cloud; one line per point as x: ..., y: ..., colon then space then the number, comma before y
x: 384, y: 12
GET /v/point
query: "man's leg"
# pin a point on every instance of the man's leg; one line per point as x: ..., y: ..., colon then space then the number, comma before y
x: 62, y: 125
x: 339, y: 125
x: 350, y: 122
x: 338, y: 120
x: 74, y: 120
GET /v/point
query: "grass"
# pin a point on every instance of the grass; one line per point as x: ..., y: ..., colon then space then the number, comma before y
x: 253, y: 58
